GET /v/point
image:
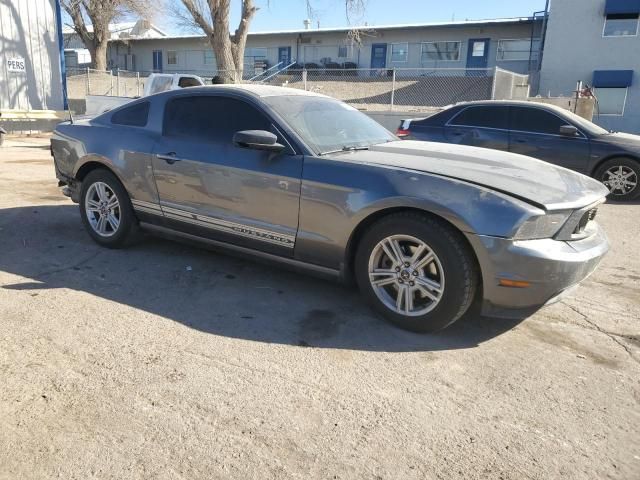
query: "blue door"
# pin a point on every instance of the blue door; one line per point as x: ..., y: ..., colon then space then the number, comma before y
x: 284, y: 56
x: 478, y: 52
x: 157, y: 60
x: 379, y: 55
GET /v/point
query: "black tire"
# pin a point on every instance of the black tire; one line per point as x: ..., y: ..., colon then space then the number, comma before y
x: 629, y: 166
x: 460, y: 273
x: 128, y: 224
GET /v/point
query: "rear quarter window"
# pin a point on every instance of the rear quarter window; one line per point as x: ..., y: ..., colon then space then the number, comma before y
x: 436, y: 119
x: 134, y: 116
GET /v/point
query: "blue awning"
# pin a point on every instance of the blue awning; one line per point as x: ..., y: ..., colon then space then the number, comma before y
x: 612, y: 78
x: 622, y: 6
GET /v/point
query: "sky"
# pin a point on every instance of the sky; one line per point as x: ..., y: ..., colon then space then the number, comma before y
x: 289, y: 14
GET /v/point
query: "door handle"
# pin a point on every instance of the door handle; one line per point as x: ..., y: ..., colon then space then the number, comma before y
x: 169, y: 157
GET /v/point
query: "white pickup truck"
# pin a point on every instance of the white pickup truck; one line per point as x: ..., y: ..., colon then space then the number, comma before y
x: 155, y: 83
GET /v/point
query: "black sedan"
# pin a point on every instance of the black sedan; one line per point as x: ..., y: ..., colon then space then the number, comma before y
x: 538, y: 130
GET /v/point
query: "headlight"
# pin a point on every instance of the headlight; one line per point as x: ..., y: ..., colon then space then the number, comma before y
x: 543, y: 226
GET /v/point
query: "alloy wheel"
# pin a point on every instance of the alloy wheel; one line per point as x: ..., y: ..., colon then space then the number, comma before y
x: 102, y: 208
x: 406, y: 275
x: 620, y: 180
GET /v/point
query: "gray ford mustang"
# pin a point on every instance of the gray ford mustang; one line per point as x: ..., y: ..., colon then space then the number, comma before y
x: 305, y: 180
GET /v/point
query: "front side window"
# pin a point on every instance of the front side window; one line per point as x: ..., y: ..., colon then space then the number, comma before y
x: 399, y: 52
x: 172, y: 57
x: 445, y: 51
x: 621, y: 25
x: 535, y: 120
x: 482, y: 117
x: 211, y: 119
x: 610, y: 101
x: 514, y: 49
x: 133, y: 116
x: 328, y: 125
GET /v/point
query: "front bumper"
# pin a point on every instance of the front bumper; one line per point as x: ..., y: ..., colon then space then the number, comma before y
x: 551, y: 267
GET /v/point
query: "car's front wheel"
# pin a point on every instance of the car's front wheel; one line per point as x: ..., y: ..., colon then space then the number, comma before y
x: 417, y: 271
x: 620, y: 176
x: 106, y: 209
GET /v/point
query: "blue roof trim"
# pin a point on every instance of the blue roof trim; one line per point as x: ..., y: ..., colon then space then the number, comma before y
x: 622, y: 6
x: 612, y: 78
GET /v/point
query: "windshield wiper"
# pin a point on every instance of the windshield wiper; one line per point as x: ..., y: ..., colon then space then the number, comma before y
x: 346, y: 148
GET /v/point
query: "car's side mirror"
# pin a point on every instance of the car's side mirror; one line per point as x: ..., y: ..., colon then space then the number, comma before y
x: 257, y: 140
x: 568, y: 131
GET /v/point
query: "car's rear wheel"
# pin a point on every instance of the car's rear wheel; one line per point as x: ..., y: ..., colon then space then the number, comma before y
x: 417, y: 271
x: 106, y: 209
x: 621, y: 177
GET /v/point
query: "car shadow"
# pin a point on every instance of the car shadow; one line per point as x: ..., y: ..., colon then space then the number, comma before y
x: 204, y: 290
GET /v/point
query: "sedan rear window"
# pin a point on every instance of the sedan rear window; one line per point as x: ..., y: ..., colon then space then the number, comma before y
x: 134, y: 116
x: 483, y: 117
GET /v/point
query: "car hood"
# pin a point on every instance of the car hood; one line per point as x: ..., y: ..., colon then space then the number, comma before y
x: 537, y: 182
x: 621, y: 139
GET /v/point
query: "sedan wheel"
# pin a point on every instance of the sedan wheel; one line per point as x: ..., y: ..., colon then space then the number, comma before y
x: 401, y: 265
x: 620, y: 176
x: 406, y: 275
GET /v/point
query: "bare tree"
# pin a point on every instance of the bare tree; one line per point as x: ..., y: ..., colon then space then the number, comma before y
x: 212, y: 17
x: 99, y: 14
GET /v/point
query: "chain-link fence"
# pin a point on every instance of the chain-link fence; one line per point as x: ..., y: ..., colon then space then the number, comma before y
x: 401, y: 89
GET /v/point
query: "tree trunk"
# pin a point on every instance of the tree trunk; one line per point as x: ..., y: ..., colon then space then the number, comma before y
x: 225, y: 63
x: 99, y: 56
x: 221, y: 43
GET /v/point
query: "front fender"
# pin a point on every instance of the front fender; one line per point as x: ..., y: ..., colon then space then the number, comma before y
x: 339, y: 196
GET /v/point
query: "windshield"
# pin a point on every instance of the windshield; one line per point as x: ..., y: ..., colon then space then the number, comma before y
x: 328, y: 125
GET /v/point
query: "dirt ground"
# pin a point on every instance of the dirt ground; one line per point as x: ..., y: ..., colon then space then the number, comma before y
x: 167, y: 361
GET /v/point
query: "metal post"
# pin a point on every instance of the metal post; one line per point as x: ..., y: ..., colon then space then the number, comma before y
x: 493, y: 88
x: 304, y: 78
x: 393, y: 87
x: 137, y: 84
x: 110, y: 83
x: 87, y: 82
x: 117, y: 81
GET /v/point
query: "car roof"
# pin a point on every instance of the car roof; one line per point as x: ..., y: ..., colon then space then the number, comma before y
x: 511, y: 103
x: 260, y: 91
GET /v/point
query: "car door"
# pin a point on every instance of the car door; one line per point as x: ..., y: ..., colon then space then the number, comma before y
x: 209, y: 186
x: 536, y: 132
x: 480, y: 126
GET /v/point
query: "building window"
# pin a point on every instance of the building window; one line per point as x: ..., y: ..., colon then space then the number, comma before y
x: 209, y: 57
x: 255, y: 52
x: 172, y: 57
x: 611, y: 101
x: 399, y: 52
x: 310, y: 54
x: 518, y: 49
x: 447, y: 51
x: 621, y: 25
x: 343, y: 51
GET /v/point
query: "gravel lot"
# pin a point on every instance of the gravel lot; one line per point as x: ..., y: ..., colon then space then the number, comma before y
x: 168, y: 361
